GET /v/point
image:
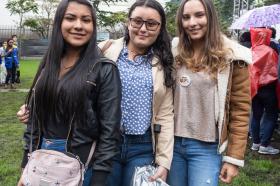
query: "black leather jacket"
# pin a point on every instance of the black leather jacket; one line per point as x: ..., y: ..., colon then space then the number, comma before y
x: 102, y: 124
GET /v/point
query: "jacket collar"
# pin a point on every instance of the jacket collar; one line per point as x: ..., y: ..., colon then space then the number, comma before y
x: 239, y: 52
x: 117, y: 46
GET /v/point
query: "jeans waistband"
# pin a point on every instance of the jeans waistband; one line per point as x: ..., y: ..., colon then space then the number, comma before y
x: 130, y: 139
x: 54, y: 144
x: 184, y: 140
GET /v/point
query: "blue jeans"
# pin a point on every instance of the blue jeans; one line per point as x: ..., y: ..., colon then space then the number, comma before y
x: 135, y: 150
x: 264, y: 114
x: 195, y: 163
x: 59, y: 145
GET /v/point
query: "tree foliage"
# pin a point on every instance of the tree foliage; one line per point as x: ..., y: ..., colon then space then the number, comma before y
x: 271, y: 2
x: 259, y: 3
x: 113, y: 22
x: 38, y: 25
x: 225, y: 12
x: 96, y: 3
x: 21, y: 7
x: 42, y: 22
x: 171, y: 10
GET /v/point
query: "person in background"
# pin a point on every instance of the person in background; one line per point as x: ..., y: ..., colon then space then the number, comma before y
x: 17, y: 77
x: 245, y: 39
x: 75, y: 86
x: 211, y: 99
x: 273, y: 42
x: 264, y: 97
x: 2, y: 65
x: 11, y: 63
x: 145, y: 62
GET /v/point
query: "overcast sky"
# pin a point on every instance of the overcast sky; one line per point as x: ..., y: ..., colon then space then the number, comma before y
x: 5, y: 15
x: 7, y: 19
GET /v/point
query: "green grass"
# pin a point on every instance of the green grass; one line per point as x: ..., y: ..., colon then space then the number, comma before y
x: 28, y: 70
x: 258, y: 171
x: 10, y: 138
x: 11, y: 130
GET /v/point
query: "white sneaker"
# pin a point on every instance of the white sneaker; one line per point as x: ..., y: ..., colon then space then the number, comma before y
x: 255, y: 146
x: 268, y: 150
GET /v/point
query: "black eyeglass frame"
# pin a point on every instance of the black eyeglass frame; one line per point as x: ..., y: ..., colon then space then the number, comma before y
x: 143, y: 22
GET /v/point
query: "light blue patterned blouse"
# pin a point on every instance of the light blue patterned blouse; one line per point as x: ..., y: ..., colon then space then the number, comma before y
x: 137, y: 92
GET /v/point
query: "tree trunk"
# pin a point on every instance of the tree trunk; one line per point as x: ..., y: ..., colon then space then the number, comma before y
x: 20, y: 36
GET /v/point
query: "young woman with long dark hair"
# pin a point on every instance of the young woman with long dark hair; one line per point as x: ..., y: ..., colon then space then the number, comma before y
x: 211, y: 99
x: 74, y: 86
x: 145, y: 61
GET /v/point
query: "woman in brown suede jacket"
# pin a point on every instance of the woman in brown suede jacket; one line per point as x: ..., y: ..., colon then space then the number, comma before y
x: 211, y: 99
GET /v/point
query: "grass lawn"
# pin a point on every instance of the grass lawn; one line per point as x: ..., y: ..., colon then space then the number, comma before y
x: 258, y: 171
x: 28, y: 69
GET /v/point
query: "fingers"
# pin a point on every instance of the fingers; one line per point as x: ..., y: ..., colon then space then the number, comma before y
x: 20, y: 182
x: 223, y: 175
x: 161, y: 173
x: 23, y: 114
x: 228, y: 172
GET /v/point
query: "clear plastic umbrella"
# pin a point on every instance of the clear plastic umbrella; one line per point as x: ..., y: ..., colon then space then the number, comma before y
x: 258, y: 17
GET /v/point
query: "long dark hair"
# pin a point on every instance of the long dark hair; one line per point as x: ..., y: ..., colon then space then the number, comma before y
x: 162, y: 45
x: 46, y: 82
x: 8, y: 45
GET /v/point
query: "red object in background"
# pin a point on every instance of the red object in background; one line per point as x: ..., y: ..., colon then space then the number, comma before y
x: 263, y: 70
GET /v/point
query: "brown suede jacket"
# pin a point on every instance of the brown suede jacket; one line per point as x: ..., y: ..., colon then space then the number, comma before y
x: 233, y: 103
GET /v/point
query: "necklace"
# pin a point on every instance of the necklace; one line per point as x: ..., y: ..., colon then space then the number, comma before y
x: 65, y: 67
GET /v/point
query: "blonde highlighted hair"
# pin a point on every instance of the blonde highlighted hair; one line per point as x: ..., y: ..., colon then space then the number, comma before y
x: 214, y: 54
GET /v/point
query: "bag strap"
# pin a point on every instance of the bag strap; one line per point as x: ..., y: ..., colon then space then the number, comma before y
x: 157, y: 130
x: 106, y: 46
x: 92, y: 149
x: 33, y: 114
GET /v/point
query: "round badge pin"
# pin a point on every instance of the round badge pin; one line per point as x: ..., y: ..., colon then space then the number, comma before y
x: 184, y: 80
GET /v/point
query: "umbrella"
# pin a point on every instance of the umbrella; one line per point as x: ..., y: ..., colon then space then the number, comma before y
x: 258, y: 17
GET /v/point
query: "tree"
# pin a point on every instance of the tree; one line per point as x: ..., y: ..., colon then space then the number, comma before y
x: 38, y: 25
x: 96, y: 3
x: 114, y: 22
x: 48, y: 7
x: 42, y: 22
x: 21, y: 7
x: 270, y: 2
x: 171, y: 10
x: 225, y: 13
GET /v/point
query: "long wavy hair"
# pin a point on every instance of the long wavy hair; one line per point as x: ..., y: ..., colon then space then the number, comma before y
x: 71, y: 87
x: 162, y: 46
x: 214, y: 56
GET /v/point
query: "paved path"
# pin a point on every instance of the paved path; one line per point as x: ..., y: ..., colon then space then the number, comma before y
x: 13, y: 90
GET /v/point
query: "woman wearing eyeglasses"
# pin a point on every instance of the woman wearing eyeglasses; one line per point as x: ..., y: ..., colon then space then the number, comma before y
x: 144, y: 60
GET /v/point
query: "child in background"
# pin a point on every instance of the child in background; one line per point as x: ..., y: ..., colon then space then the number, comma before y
x: 2, y: 65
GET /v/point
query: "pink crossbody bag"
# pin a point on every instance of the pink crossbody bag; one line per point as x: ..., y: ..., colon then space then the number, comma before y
x: 54, y: 168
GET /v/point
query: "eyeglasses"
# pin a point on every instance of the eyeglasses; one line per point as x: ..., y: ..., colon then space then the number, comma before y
x: 151, y: 25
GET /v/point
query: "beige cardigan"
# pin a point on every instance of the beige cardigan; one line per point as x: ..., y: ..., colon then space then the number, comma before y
x: 162, y: 105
